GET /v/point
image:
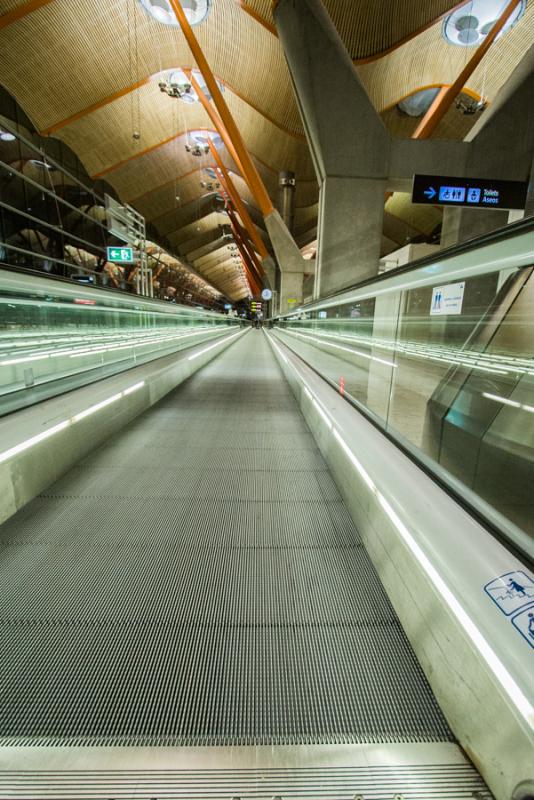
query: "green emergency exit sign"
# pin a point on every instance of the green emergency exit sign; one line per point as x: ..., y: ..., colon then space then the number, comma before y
x: 121, y: 255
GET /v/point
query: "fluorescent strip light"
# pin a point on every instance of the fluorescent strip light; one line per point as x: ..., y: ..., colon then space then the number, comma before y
x: 360, y: 469
x: 280, y: 353
x: 206, y: 349
x: 133, y: 388
x: 96, y: 407
x: 19, y: 448
x: 347, y: 349
x: 11, y: 361
x: 503, y: 400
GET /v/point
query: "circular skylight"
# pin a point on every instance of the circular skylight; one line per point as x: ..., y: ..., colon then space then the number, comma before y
x: 196, y: 11
x: 201, y: 138
x: 418, y: 103
x: 471, y: 23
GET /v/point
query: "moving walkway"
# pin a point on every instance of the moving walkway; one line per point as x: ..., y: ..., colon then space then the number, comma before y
x: 225, y: 580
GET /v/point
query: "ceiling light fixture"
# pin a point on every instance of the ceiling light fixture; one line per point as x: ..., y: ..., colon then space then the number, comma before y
x: 6, y: 136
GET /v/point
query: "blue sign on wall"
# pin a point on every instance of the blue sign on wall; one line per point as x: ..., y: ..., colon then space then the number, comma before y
x: 469, y: 192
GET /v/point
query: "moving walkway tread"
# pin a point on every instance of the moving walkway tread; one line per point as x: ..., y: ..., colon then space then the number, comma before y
x: 197, y: 580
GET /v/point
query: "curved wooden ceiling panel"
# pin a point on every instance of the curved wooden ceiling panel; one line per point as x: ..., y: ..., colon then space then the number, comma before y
x: 423, y: 218
x: 73, y: 61
x: 454, y: 125
x: 239, y: 49
x: 429, y: 60
x: 371, y: 27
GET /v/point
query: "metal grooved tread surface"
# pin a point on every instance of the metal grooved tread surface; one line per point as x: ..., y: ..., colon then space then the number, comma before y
x: 368, y: 783
x: 198, y: 581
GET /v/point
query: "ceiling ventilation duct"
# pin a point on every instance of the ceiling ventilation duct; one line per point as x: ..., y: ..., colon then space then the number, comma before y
x: 196, y: 11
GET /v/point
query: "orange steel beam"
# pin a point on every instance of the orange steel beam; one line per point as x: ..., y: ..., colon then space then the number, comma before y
x: 245, y: 240
x: 217, y: 122
x: 241, y: 238
x: 250, y: 249
x: 253, y: 281
x: 446, y: 97
x: 258, y: 269
x: 247, y: 236
x: 255, y: 286
x: 254, y: 14
x: 21, y: 12
x: 252, y: 233
x: 238, y: 203
x: 251, y: 173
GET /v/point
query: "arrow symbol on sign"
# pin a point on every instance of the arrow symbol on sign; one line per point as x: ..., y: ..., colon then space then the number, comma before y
x: 115, y: 253
x: 430, y: 192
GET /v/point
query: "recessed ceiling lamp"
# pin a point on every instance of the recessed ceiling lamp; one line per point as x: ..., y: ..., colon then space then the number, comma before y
x: 6, y: 136
x: 196, y: 11
x: 418, y: 103
x: 470, y: 24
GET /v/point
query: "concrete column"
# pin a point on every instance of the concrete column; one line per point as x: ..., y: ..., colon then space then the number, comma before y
x: 348, y: 142
x: 286, y: 198
x: 351, y: 218
x: 290, y: 277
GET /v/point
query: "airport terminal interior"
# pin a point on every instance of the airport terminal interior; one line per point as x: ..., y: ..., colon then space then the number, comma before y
x: 267, y: 399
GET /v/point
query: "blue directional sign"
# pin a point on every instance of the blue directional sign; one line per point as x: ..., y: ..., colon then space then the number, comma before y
x: 451, y: 194
x: 469, y: 192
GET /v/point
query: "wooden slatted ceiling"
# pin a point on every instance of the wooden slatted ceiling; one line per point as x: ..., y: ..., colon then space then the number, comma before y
x: 423, y: 218
x: 238, y: 49
x: 201, y: 226
x: 155, y: 202
x: 225, y: 276
x: 430, y: 60
x: 72, y: 45
x: 215, y: 257
x: 369, y: 27
x: 454, y: 125
x: 104, y: 138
